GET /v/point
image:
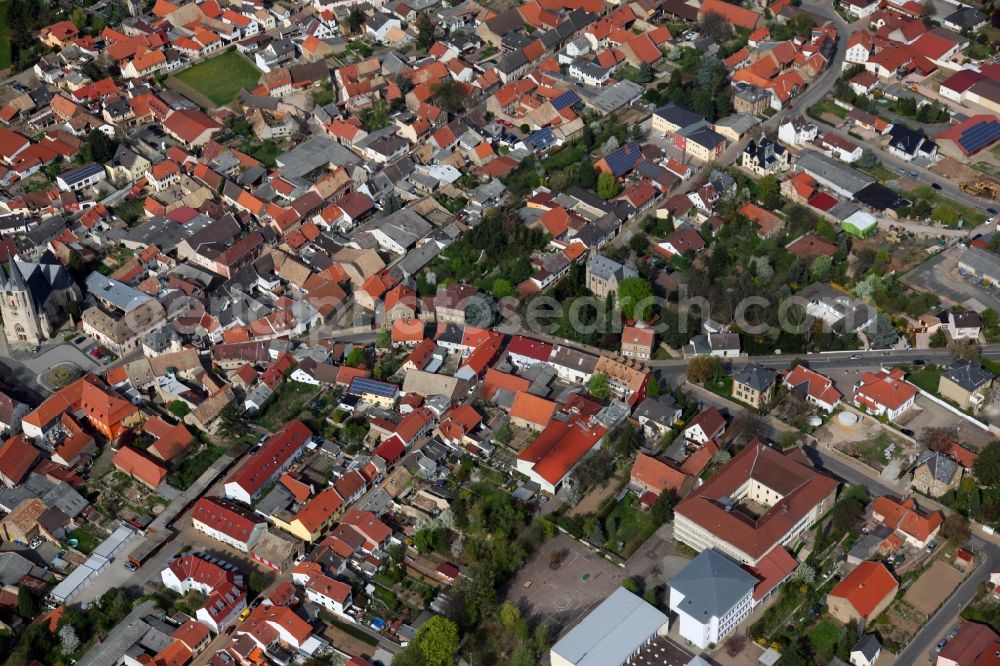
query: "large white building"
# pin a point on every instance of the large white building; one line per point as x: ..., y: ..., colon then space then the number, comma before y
x: 269, y: 462
x: 221, y: 584
x: 710, y: 596
x: 760, y: 500
x: 611, y: 634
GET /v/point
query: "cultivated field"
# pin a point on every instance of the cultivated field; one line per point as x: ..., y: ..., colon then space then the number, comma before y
x: 221, y: 77
x: 933, y: 587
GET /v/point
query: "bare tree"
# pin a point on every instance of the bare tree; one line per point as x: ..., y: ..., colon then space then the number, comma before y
x: 939, y: 438
x: 964, y: 348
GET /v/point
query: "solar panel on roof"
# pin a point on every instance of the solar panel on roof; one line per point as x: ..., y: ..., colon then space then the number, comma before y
x: 360, y: 385
x: 623, y: 159
x: 568, y: 98
x: 980, y: 135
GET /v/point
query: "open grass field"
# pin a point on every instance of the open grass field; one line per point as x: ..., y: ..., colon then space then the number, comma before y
x: 221, y: 77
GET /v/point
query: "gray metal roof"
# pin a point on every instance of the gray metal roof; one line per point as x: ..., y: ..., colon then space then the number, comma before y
x: 941, y: 467
x: 755, y: 376
x: 982, y: 262
x: 711, y: 584
x: 610, y: 633
x: 119, y: 294
x: 967, y: 374
x: 833, y: 170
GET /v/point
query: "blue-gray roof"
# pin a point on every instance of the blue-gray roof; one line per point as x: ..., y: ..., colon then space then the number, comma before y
x: 118, y: 294
x: 612, y: 632
x: 711, y: 585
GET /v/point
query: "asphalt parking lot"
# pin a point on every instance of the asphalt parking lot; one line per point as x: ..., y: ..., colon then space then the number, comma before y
x: 928, y: 414
x: 940, y: 275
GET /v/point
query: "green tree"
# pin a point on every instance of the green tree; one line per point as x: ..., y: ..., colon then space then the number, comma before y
x: 599, y: 386
x: 607, y: 185
x: 820, y: 269
x: 630, y: 585
x: 955, y: 528
x: 501, y: 288
x: 645, y: 73
x: 509, y: 615
x: 449, y: 95
x: 662, y: 510
x: 635, y: 299
x: 638, y: 243
x: 27, y: 603
x: 938, y: 340
x: 356, y: 358
x: 425, y: 32
x: 98, y: 147
x: 232, y: 426
x: 987, y: 466
x: 868, y: 159
x: 355, y: 20
x: 716, y: 27
x: 179, y: 408
x: 769, y: 192
x: 438, y: 641
x: 255, y: 584
x: 523, y: 656
x: 586, y: 176
x: 383, y: 339
x: 881, y: 333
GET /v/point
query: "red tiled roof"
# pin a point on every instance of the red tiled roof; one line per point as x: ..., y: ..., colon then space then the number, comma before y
x: 800, y: 486
x: 866, y: 587
x: 533, y: 409
x: 133, y: 463
x: 258, y: 468
x: 656, y: 475
x: 556, y: 449
x: 227, y: 517
x: 17, y: 456
x: 736, y: 15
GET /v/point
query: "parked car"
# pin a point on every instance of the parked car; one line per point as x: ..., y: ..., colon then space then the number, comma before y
x: 919, y: 361
x: 940, y: 644
x: 936, y: 186
x: 992, y: 211
x: 954, y: 632
x: 906, y: 431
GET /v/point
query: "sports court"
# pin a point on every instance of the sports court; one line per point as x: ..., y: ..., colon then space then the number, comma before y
x: 561, y: 597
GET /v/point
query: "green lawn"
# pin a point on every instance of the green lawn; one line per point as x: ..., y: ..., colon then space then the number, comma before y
x: 267, y: 153
x: 285, y: 404
x: 186, y: 471
x: 88, y: 538
x: 926, y: 378
x: 220, y: 78
x: 823, y: 639
x: 628, y: 525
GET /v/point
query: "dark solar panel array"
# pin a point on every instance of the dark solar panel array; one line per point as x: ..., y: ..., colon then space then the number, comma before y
x: 979, y: 136
x: 568, y: 98
x: 361, y: 385
x: 623, y: 159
